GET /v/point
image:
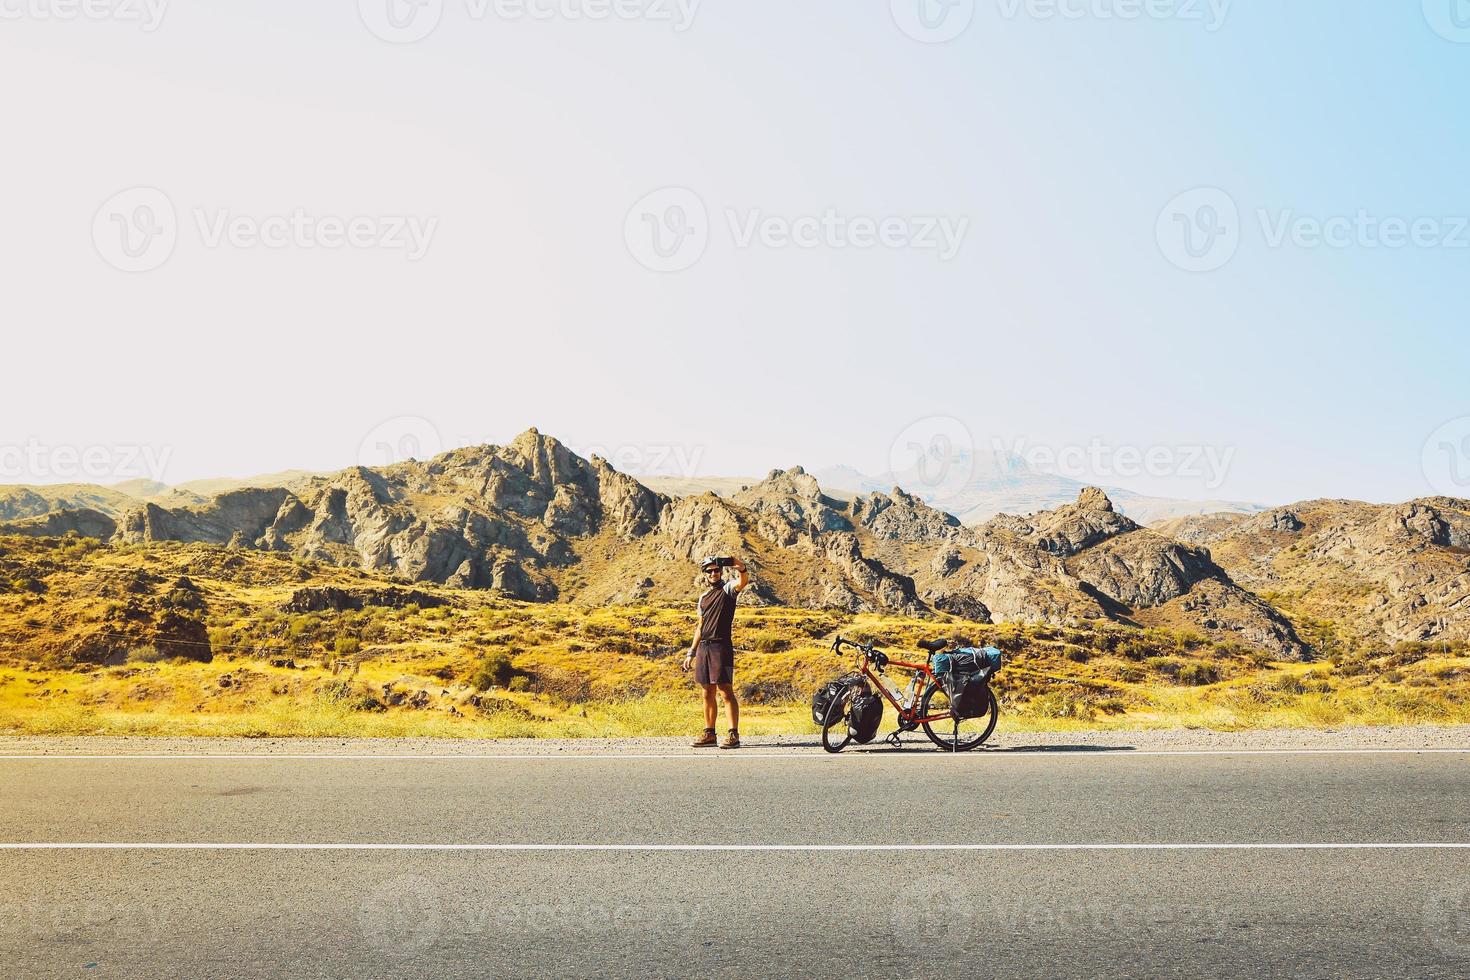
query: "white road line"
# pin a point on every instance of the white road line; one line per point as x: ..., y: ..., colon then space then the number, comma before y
x: 1091, y: 754
x: 193, y: 846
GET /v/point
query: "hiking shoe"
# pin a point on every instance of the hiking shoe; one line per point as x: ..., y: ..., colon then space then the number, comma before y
x: 732, y: 741
x: 706, y: 741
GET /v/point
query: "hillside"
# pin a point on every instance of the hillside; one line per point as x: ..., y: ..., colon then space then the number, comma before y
x: 19, y: 502
x: 197, y: 639
x: 1396, y: 571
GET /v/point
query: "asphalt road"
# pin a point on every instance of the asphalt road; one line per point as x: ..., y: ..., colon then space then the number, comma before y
x: 1094, y: 864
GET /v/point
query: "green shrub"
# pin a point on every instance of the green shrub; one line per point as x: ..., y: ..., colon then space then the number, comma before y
x: 1198, y: 674
x: 347, y: 646
x: 767, y: 641
x: 146, y: 654
x: 495, y: 669
x: 1168, y: 666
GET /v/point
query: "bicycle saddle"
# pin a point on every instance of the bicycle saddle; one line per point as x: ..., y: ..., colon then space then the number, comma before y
x: 933, y: 646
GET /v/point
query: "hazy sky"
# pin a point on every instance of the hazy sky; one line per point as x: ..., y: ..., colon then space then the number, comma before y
x: 738, y: 234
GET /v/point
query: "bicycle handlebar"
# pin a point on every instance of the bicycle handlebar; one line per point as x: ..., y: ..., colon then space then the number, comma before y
x: 867, y: 649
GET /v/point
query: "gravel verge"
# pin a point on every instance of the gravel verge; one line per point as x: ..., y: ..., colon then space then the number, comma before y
x: 1456, y: 737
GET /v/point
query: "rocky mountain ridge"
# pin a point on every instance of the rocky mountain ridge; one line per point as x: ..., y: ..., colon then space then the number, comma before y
x: 538, y: 522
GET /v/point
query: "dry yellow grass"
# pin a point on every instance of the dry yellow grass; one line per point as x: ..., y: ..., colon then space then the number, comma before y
x: 469, y: 664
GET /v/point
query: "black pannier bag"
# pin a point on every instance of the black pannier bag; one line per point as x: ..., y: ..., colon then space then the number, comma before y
x: 833, y: 691
x: 864, y: 715
x: 965, y: 675
x: 969, y: 695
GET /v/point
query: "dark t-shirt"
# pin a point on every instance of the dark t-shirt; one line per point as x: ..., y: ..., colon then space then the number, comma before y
x: 717, y: 612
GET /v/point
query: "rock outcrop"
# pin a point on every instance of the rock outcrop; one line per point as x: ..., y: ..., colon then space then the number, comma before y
x: 84, y: 523
x: 1381, y: 573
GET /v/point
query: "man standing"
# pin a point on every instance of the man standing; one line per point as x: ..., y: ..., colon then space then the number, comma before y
x: 713, y: 652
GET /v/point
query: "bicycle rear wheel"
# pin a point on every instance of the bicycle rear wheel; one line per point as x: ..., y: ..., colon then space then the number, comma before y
x: 835, y: 734
x: 962, y: 735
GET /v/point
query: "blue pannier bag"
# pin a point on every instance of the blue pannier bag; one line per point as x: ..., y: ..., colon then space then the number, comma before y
x: 967, y: 661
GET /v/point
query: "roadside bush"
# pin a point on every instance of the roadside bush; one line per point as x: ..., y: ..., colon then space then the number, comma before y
x: 495, y: 669
x: 770, y: 692
x: 146, y: 654
x: 1061, y: 704
x: 346, y: 695
x: 1168, y: 666
x: 767, y: 641
x: 1199, y: 674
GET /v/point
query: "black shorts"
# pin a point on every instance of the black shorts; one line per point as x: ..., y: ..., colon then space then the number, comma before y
x: 714, y: 662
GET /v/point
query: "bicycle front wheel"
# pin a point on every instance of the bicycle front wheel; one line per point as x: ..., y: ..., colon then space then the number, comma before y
x: 952, y: 735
